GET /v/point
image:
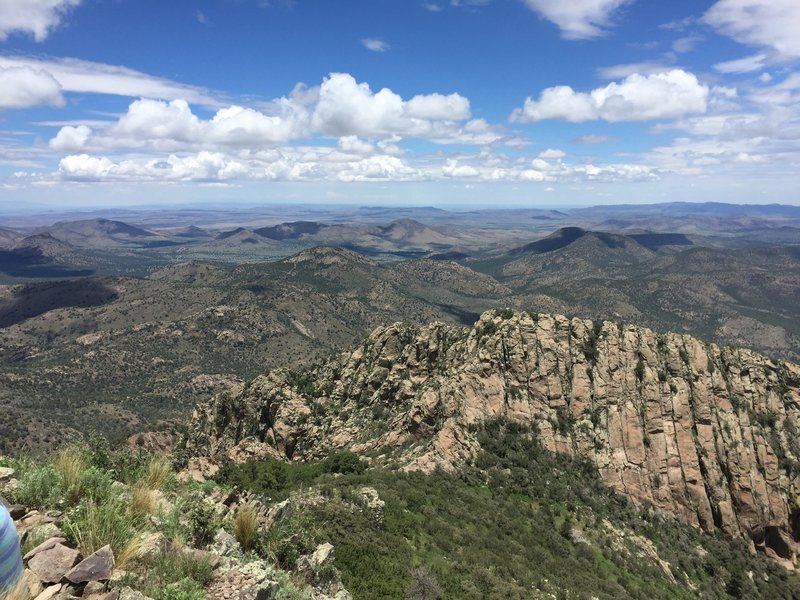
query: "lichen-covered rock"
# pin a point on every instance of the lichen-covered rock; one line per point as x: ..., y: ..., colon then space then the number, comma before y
x: 708, y: 434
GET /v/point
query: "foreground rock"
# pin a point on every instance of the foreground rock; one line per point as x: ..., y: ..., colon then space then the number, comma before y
x: 708, y: 434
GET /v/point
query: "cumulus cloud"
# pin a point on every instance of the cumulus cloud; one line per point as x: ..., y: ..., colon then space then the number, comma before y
x: 339, y: 108
x: 637, y: 98
x: 71, y: 139
x: 74, y: 75
x: 21, y: 87
x: 37, y: 17
x: 578, y: 19
x: 767, y: 23
x: 279, y: 165
x: 346, y: 107
x: 205, y: 166
x: 375, y: 44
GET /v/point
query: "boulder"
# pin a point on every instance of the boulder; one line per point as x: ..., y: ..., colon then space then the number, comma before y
x: 52, y: 564
x: 152, y: 545
x: 96, y: 567
x: 46, y: 545
x: 127, y: 593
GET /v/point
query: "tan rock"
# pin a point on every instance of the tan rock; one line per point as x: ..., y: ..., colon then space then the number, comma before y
x: 691, y: 428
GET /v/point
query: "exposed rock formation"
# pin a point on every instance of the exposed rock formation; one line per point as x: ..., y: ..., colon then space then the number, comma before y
x: 709, y: 434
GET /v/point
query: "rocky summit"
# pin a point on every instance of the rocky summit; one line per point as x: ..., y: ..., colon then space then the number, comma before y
x: 705, y: 433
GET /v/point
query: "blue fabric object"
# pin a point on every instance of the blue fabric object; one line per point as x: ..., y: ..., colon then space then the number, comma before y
x: 10, y: 557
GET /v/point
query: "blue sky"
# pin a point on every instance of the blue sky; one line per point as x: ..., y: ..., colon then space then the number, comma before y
x: 447, y: 102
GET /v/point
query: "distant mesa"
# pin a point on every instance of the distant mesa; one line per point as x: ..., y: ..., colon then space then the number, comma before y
x: 290, y: 231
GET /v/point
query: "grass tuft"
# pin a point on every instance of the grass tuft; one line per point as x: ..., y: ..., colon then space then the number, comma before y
x: 156, y: 474
x: 143, y: 501
x: 70, y: 464
x: 245, y: 527
x: 93, y: 525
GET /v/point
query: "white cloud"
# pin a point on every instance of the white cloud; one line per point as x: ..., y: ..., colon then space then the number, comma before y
x: 641, y: 68
x: 38, y: 17
x: 438, y: 107
x: 551, y: 153
x: 339, y: 108
x: 375, y: 44
x: 748, y: 64
x: 451, y: 168
x: 767, y: 23
x: 577, y: 19
x: 350, y: 144
x: 637, y: 98
x: 71, y: 139
x: 21, y: 87
x: 205, y: 166
x: 74, y: 75
x: 686, y: 43
x: 346, y: 107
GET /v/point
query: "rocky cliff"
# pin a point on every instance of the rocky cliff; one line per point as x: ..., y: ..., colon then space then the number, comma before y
x: 708, y: 434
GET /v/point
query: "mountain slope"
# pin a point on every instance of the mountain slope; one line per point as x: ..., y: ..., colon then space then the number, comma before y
x: 704, y: 433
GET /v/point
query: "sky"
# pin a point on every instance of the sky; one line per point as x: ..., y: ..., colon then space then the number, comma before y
x: 435, y: 102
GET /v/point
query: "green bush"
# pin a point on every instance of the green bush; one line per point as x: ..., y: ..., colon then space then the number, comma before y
x: 39, y: 487
x: 343, y: 462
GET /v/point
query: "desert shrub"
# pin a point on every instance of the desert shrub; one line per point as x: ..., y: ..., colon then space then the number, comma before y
x: 203, y: 521
x: 39, y: 487
x: 96, y: 484
x: 175, y: 575
x: 423, y: 585
x: 343, y: 462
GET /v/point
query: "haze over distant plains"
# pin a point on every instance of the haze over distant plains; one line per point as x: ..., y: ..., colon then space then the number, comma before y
x: 512, y: 102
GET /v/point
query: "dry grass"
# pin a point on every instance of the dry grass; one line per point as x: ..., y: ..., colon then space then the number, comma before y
x: 95, y: 525
x: 156, y: 475
x: 143, y: 501
x: 70, y: 463
x: 128, y: 551
x: 18, y: 592
x: 245, y: 527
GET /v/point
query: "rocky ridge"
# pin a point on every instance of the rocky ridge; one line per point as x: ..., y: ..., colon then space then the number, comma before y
x: 708, y: 434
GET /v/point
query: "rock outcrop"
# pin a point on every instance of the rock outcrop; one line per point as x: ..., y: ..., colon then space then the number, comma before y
x: 705, y: 433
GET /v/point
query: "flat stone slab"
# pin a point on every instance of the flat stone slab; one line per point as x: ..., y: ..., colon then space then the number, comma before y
x: 52, y: 564
x: 96, y: 567
x: 45, y: 545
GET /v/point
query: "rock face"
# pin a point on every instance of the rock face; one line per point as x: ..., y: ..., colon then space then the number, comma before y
x: 708, y: 434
